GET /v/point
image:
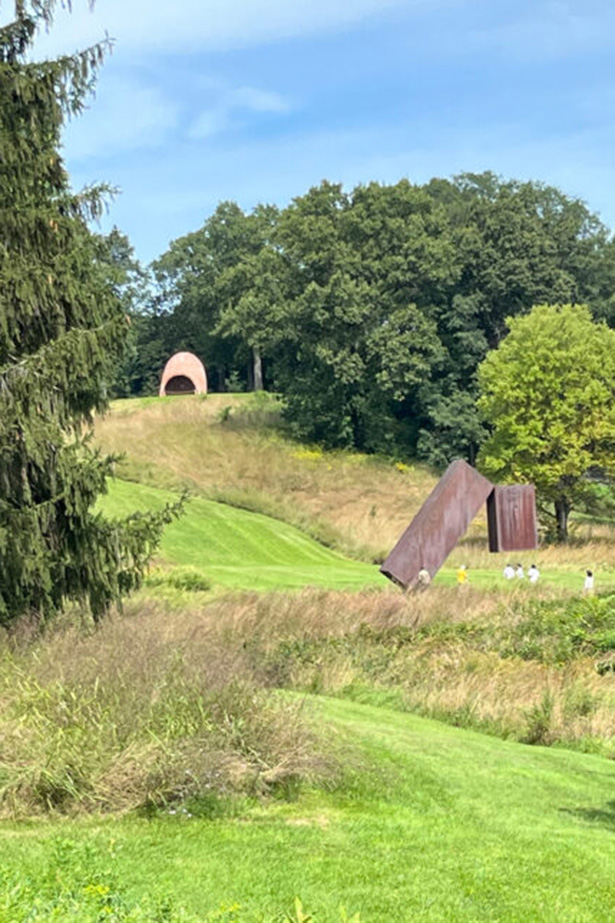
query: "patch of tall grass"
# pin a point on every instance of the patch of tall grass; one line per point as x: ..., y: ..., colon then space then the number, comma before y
x: 142, y: 713
x: 191, y: 708
x: 530, y: 669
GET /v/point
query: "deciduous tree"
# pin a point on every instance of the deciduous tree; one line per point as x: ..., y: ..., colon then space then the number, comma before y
x: 548, y: 393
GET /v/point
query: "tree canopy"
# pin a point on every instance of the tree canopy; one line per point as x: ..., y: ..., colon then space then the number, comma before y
x: 62, y: 331
x: 548, y: 392
x: 371, y: 309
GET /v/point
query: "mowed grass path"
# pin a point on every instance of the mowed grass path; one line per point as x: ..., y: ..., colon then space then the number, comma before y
x: 452, y: 825
x: 236, y: 548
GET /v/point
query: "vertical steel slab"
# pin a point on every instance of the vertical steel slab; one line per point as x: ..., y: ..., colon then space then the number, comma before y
x: 438, y: 525
x: 511, y: 515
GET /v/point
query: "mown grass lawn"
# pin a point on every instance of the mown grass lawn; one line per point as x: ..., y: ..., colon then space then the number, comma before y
x: 451, y: 825
x: 239, y: 549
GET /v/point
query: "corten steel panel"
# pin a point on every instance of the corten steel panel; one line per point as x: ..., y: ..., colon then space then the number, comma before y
x: 511, y: 514
x: 438, y: 525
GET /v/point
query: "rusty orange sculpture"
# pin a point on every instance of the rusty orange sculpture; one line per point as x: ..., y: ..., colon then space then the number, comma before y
x: 184, y: 373
x: 447, y: 513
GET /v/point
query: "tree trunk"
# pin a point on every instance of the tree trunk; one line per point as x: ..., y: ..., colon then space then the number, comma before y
x: 562, y: 511
x: 258, y: 369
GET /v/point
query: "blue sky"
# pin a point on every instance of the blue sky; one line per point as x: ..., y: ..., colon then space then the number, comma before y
x: 256, y: 100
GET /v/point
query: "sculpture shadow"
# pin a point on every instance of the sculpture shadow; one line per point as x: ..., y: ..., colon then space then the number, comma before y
x: 604, y: 816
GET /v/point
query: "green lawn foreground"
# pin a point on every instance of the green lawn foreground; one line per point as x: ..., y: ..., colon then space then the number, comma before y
x: 452, y: 825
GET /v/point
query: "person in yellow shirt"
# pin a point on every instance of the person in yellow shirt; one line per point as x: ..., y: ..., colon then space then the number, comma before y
x: 462, y: 575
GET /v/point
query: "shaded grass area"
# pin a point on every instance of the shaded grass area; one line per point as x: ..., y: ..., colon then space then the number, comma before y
x: 235, y: 548
x: 445, y: 824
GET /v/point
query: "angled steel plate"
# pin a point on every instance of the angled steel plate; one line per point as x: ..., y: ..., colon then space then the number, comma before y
x: 511, y: 515
x: 438, y: 525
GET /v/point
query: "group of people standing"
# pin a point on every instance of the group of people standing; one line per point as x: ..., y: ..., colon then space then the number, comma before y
x: 510, y: 572
x: 517, y: 572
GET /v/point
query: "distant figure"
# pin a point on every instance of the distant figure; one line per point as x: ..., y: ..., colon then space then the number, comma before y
x: 519, y: 572
x: 509, y: 572
x: 588, y: 586
x: 462, y: 575
x: 423, y: 579
x: 533, y: 574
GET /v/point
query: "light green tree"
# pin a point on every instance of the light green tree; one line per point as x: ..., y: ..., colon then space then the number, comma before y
x: 548, y: 392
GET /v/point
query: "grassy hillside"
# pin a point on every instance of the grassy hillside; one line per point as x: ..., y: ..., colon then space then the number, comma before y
x: 224, y: 447
x: 235, y: 548
x: 446, y: 825
x: 219, y: 545
x: 227, y: 447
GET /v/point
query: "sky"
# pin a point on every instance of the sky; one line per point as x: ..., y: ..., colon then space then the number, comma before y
x: 257, y: 100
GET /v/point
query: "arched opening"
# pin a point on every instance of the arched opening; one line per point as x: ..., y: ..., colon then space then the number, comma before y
x: 179, y: 384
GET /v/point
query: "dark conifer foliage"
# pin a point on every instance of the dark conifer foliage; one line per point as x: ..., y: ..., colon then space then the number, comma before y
x: 62, y: 331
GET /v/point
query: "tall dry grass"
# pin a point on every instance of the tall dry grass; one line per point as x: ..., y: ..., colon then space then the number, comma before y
x: 142, y: 711
x: 444, y: 654
x: 163, y: 706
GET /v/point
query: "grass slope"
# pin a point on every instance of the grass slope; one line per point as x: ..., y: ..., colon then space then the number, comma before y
x: 235, y: 548
x: 239, y: 549
x: 227, y: 447
x: 452, y: 825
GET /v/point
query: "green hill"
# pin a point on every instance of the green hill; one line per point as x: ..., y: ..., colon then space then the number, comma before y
x: 235, y: 548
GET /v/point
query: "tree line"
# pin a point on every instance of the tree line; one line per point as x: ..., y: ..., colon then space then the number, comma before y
x: 370, y: 311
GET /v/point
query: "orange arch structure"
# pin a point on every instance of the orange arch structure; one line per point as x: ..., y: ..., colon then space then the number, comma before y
x: 184, y: 373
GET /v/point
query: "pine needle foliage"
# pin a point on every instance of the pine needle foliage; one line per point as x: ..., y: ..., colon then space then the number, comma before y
x: 62, y: 332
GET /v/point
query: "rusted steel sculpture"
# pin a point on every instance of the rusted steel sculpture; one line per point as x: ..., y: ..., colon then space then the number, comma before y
x: 511, y: 516
x: 184, y: 373
x: 446, y: 515
x: 438, y: 525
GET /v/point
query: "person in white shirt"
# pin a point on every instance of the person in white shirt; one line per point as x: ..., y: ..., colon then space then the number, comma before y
x: 533, y: 574
x: 509, y: 572
x: 588, y: 586
x: 423, y: 579
x: 519, y: 571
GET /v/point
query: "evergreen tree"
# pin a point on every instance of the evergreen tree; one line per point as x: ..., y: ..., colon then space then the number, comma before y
x: 62, y: 330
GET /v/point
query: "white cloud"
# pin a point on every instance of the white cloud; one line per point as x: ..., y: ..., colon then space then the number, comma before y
x: 258, y: 100
x: 217, y: 119
x: 125, y: 115
x: 213, y: 25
